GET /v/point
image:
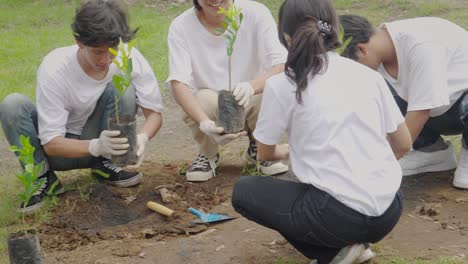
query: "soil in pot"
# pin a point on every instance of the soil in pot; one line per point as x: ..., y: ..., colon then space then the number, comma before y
x: 230, y: 114
x: 127, y: 128
x: 24, y: 248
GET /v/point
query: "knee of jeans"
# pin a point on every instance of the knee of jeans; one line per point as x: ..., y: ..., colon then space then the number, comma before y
x: 14, y: 105
x: 241, y: 189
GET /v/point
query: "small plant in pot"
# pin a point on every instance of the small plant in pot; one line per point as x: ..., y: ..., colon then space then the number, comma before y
x: 24, y: 246
x: 124, y: 123
x: 230, y: 114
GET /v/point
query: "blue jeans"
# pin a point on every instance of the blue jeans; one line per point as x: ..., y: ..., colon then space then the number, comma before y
x: 18, y: 115
x: 312, y: 221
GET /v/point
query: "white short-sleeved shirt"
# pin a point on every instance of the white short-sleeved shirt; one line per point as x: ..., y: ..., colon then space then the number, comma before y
x: 432, y: 58
x: 66, y: 96
x: 199, y: 59
x: 337, y: 137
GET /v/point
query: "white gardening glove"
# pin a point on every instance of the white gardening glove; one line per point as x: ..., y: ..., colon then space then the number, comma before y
x: 214, y: 132
x: 108, y: 144
x: 243, y: 92
x: 142, y: 140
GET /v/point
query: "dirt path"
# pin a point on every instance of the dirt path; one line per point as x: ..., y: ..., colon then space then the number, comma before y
x: 110, y: 225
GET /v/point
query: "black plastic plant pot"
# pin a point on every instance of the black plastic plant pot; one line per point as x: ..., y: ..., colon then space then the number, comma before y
x: 24, y: 248
x: 230, y: 114
x: 127, y: 128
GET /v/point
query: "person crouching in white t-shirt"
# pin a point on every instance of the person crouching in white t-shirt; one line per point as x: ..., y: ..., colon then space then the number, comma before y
x: 345, y: 135
x: 198, y: 69
x: 425, y: 60
x: 75, y: 98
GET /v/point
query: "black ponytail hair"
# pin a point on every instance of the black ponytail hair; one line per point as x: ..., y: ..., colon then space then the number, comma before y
x: 313, y: 28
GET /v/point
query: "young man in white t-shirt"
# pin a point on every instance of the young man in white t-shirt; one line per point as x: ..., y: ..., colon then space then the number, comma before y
x: 198, y: 69
x: 75, y: 98
x: 425, y: 60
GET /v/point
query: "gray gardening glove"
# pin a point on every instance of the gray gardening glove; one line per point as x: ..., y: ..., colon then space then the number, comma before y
x: 108, y: 144
x: 214, y: 132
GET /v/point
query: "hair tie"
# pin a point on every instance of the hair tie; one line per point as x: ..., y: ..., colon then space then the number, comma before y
x: 324, y: 27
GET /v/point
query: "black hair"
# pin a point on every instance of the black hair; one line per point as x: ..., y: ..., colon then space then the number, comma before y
x: 101, y: 22
x: 196, y: 4
x: 313, y: 28
x: 359, y: 29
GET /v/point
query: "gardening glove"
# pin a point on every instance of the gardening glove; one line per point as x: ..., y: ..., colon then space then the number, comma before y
x: 214, y: 132
x: 142, y: 140
x: 243, y: 92
x: 108, y: 144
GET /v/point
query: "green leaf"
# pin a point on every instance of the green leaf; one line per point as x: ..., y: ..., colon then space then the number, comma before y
x: 113, y: 51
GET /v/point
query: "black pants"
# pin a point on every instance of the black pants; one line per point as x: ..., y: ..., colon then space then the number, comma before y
x: 312, y: 221
x: 452, y: 122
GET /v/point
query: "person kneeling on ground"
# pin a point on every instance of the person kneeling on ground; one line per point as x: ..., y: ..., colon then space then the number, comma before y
x: 75, y: 98
x: 198, y: 69
x: 343, y: 149
x: 425, y: 60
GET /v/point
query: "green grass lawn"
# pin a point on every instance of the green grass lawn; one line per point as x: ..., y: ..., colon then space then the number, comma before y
x: 29, y: 29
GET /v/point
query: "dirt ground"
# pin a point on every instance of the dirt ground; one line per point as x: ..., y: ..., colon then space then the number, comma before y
x: 105, y: 224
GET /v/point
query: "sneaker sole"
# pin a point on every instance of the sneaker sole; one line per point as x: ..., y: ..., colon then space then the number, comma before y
x: 449, y: 165
x: 198, y: 177
x: 128, y: 182
x: 31, y: 209
x: 367, y: 255
x: 459, y: 184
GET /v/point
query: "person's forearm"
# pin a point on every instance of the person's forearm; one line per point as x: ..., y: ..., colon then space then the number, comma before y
x: 189, y: 103
x: 259, y: 83
x: 67, y: 148
x: 153, y: 122
x: 415, y: 120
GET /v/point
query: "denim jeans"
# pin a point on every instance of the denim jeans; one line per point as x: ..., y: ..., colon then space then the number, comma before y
x: 18, y: 115
x: 312, y: 221
x: 452, y: 122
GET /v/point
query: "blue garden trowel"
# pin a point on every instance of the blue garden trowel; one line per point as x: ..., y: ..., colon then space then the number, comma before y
x: 208, y: 217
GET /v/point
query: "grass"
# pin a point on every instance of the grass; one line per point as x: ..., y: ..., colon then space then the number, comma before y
x: 32, y: 28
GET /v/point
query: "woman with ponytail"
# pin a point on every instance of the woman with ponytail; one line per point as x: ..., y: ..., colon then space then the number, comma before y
x: 345, y: 134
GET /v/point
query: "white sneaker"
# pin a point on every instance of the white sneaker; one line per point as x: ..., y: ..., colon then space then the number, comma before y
x: 349, y: 254
x: 202, y: 168
x: 268, y: 168
x: 460, y: 180
x: 415, y: 162
x: 365, y: 256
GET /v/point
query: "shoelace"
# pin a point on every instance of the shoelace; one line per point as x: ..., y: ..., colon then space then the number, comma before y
x: 43, y: 186
x: 201, y: 162
x: 111, y: 166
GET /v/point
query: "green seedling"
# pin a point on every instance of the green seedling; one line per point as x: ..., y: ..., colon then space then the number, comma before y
x: 29, y: 175
x: 344, y: 42
x: 231, y: 24
x: 122, y: 81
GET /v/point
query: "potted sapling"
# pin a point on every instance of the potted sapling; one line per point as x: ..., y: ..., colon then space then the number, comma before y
x: 230, y: 114
x: 24, y: 246
x: 126, y: 124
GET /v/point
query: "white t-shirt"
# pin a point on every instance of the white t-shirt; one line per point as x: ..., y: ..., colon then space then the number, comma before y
x: 66, y: 96
x: 199, y: 59
x: 432, y: 63
x: 337, y: 137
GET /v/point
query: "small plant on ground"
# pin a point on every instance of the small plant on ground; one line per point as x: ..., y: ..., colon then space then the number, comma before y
x: 232, y: 20
x: 29, y: 175
x: 122, y: 81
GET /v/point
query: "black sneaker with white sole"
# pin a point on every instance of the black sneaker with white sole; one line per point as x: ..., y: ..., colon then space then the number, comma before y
x: 51, y: 186
x: 107, y: 172
x: 202, y: 168
x: 268, y: 168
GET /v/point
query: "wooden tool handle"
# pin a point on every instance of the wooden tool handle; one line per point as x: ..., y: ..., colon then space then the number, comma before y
x: 159, y: 208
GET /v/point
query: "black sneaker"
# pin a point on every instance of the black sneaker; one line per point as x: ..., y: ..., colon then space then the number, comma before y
x: 51, y: 186
x: 202, y: 168
x: 108, y: 172
x: 265, y: 167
